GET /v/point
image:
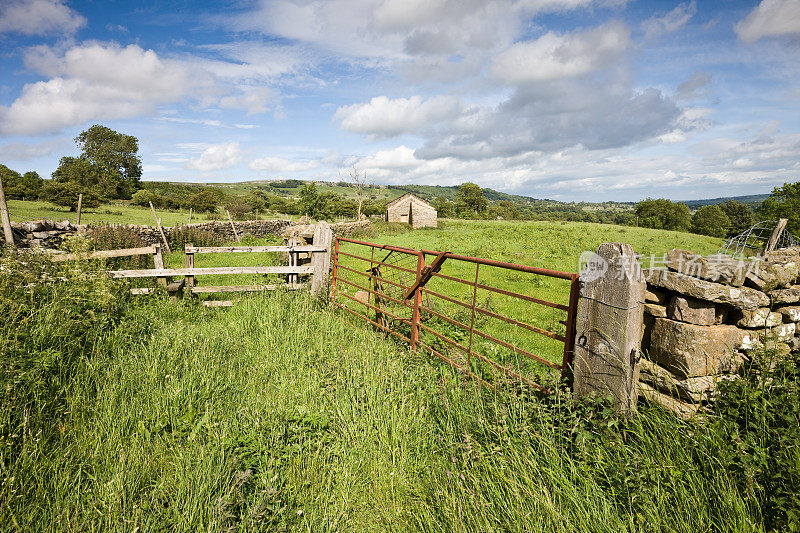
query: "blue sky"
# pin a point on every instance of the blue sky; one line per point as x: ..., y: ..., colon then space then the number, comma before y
x: 568, y: 99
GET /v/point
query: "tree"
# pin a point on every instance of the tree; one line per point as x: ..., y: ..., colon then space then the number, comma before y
x: 107, y: 167
x: 21, y: 187
x: 711, y: 220
x: 66, y: 194
x: 740, y: 215
x: 359, y: 180
x: 470, y: 198
x: 783, y: 203
x: 507, y: 209
x: 238, y: 207
x: 115, y: 157
x: 206, y: 200
x: 663, y: 214
x: 310, y: 200
x: 444, y: 207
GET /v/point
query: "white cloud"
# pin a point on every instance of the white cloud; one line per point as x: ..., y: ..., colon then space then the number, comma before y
x: 671, y: 22
x: 217, y: 157
x: 279, y: 164
x: 23, y: 152
x: 771, y: 18
x: 252, y: 99
x: 399, y: 29
x: 39, y: 17
x: 692, y: 88
x: 206, y: 122
x: 383, y: 117
x: 87, y: 84
x: 553, y: 56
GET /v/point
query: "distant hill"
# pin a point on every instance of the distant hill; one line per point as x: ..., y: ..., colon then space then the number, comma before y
x: 753, y: 200
x: 291, y: 189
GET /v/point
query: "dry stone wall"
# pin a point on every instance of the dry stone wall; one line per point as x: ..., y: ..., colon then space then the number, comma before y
x: 50, y: 234
x: 704, y: 316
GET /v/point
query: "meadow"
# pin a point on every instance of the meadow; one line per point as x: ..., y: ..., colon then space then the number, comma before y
x: 129, y: 413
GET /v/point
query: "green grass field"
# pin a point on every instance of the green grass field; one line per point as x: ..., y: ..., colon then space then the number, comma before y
x: 22, y: 210
x: 121, y: 413
x: 129, y: 413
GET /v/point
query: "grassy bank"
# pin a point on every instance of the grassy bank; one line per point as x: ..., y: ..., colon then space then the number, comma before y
x: 122, y: 413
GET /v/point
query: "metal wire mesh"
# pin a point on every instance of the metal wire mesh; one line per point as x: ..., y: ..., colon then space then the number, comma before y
x: 752, y: 241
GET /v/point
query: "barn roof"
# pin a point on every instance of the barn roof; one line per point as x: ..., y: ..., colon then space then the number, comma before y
x: 406, y: 195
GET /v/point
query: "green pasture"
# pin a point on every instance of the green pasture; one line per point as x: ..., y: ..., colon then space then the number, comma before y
x: 121, y: 413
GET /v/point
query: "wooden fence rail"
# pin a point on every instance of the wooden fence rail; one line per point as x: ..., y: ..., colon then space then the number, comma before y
x: 303, y: 260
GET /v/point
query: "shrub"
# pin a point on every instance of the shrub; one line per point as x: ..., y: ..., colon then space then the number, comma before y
x: 710, y: 220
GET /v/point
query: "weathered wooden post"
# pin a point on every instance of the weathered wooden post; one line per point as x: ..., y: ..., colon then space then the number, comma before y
x: 609, y: 326
x: 160, y: 229
x: 6, y: 219
x: 321, y: 261
x: 776, y: 234
x: 188, y: 262
x: 158, y: 262
x: 78, y: 215
x: 190, y: 216
x: 235, y: 233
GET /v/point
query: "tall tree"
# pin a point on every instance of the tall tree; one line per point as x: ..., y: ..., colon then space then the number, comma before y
x: 710, y: 220
x: 661, y: 213
x: 470, y: 198
x: 108, y: 167
x: 21, y: 187
x: 114, y: 156
x: 740, y: 215
x: 359, y: 180
x: 783, y: 203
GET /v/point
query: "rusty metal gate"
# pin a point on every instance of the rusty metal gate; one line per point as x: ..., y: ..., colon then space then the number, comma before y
x: 487, y: 318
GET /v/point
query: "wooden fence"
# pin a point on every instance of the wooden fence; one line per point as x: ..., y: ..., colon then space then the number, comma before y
x: 304, y: 260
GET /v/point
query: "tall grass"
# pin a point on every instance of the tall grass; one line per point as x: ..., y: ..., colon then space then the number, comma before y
x: 126, y: 414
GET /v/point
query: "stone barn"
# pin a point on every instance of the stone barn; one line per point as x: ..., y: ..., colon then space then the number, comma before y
x: 412, y: 210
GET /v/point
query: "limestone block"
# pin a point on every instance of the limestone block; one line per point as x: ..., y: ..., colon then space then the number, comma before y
x: 756, y: 318
x: 739, y: 297
x: 691, y: 310
x: 719, y: 268
x: 757, y: 339
x: 790, y: 313
x: 771, y: 276
x: 790, y: 295
x: 655, y: 296
x: 658, y: 311
x: 609, y: 328
x: 683, y: 410
x: 783, y: 255
x: 689, y: 350
x: 690, y: 389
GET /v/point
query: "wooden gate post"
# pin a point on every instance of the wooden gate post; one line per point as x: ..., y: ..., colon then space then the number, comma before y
x: 609, y: 326
x: 188, y: 262
x: 80, y: 205
x: 158, y: 262
x: 6, y: 219
x: 321, y: 261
